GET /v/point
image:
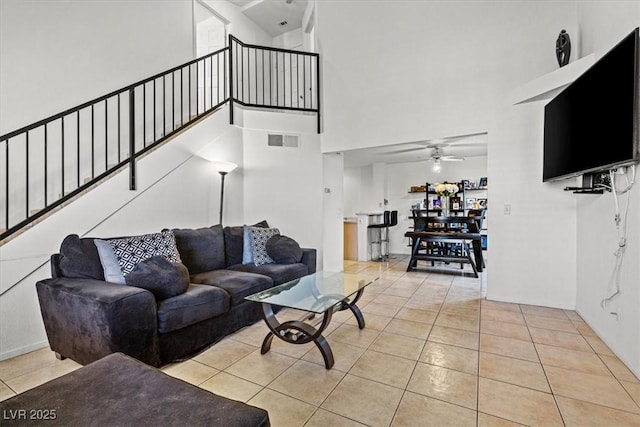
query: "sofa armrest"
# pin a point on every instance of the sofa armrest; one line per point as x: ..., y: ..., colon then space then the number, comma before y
x: 309, y: 259
x: 87, y: 319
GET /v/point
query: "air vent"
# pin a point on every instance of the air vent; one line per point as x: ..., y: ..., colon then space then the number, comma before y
x: 279, y: 140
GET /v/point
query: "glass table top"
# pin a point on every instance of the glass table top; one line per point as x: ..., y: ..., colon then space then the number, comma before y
x: 316, y: 292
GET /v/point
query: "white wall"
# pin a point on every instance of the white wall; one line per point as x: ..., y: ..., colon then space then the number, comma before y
x: 284, y: 185
x: 532, y: 250
x: 176, y: 188
x: 596, y: 235
x: 333, y: 230
x: 398, y: 72
x: 55, y: 55
x: 358, y: 196
x: 290, y: 40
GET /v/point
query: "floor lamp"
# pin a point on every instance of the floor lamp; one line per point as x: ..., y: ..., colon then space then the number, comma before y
x: 223, y: 169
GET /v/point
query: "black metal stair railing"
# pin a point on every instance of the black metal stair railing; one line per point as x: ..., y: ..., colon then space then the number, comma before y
x: 49, y: 162
x: 55, y: 159
x: 268, y: 77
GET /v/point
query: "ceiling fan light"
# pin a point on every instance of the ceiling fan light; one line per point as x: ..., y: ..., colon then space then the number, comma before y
x: 436, y: 165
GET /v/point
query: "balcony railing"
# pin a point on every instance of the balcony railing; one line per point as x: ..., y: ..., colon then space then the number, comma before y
x: 267, y: 77
x: 53, y: 160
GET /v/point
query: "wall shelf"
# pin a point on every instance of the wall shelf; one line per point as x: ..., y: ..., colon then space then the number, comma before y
x: 547, y: 86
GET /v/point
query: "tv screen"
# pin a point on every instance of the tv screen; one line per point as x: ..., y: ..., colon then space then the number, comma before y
x: 592, y: 125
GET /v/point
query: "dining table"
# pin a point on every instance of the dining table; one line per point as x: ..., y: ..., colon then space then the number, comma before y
x: 450, y: 239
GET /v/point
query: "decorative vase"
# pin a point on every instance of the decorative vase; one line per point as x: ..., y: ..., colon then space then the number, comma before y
x: 444, y: 205
x: 563, y: 48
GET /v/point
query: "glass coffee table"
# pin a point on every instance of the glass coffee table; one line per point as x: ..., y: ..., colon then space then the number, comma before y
x: 319, y: 295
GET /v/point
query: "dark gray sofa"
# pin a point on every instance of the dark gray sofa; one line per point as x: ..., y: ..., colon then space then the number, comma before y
x: 87, y: 318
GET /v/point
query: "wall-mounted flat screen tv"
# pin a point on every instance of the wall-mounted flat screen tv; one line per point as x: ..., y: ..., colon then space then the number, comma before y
x: 592, y: 125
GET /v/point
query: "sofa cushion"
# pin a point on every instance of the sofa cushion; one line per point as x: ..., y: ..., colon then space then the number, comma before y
x: 199, y: 303
x: 163, y: 278
x: 234, y: 242
x: 79, y: 259
x: 201, y: 249
x: 280, y: 273
x: 259, y: 237
x: 283, y: 249
x: 131, y: 250
x: 237, y: 284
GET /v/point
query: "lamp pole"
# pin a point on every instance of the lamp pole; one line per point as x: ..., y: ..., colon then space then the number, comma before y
x: 223, y: 174
x: 223, y: 169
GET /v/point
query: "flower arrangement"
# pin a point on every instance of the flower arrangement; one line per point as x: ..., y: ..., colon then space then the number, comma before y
x: 446, y: 189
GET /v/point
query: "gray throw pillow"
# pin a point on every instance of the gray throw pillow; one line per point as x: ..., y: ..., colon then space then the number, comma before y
x: 284, y: 250
x: 109, y: 261
x: 163, y: 278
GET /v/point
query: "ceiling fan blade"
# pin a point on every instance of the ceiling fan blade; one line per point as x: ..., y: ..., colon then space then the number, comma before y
x: 452, y: 140
x: 452, y: 158
x: 406, y: 150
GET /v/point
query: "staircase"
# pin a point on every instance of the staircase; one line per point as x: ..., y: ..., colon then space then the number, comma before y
x: 57, y: 159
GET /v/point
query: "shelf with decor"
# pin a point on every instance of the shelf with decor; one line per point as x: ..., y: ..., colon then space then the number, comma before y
x: 476, y: 194
x: 471, y: 195
x: 431, y: 204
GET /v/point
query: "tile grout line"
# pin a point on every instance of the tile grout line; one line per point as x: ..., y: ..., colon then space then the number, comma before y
x: 546, y: 376
x: 404, y: 391
x: 478, y: 378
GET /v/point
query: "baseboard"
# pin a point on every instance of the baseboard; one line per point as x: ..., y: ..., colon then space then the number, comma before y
x: 540, y: 303
x: 600, y: 335
x: 23, y: 350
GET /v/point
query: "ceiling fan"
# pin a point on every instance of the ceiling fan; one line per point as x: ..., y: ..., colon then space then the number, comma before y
x: 437, y: 144
x: 437, y: 155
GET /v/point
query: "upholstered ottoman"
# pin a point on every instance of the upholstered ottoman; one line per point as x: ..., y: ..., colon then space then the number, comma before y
x: 118, y: 390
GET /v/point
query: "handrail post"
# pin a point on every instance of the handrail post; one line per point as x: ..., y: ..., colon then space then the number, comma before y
x: 132, y: 140
x: 318, y: 91
x: 230, y: 79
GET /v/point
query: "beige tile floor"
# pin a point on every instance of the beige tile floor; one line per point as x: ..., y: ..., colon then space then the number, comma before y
x: 434, y: 353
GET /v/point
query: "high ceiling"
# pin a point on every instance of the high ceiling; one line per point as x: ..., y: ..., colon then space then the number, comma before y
x: 270, y: 16
x: 275, y: 17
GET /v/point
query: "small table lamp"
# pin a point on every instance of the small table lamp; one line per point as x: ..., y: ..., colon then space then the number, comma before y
x: 223, y: 169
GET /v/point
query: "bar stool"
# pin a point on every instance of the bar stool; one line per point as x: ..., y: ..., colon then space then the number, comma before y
x: 377, y: 233
x: 393, y: 221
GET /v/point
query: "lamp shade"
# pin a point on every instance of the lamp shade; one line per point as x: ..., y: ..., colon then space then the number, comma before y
x: 224, y: 167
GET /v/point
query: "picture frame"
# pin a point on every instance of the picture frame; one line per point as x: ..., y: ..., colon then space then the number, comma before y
x: 470, y: 202
x: 482, y: 203
x: 483, y: 182
x: 454, y: 203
